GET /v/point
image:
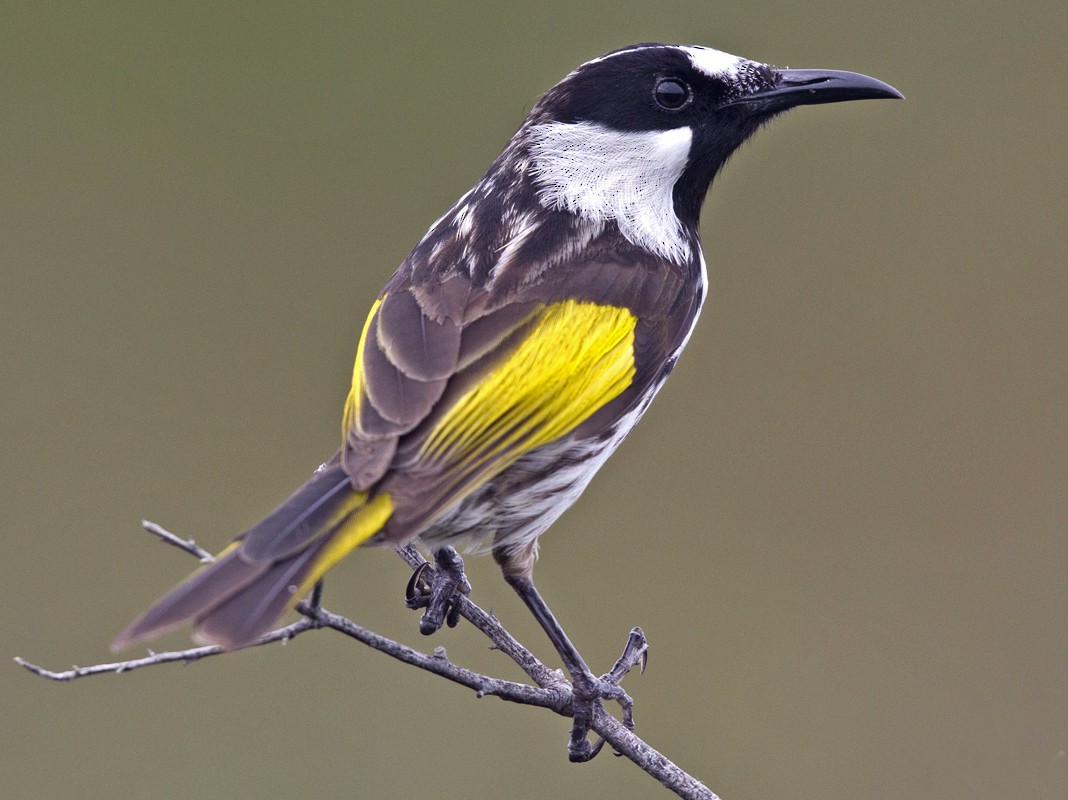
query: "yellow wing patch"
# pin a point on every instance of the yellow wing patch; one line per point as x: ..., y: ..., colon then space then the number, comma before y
x: 357, y: 521
x: 351, y: 418
x: 576, y: 358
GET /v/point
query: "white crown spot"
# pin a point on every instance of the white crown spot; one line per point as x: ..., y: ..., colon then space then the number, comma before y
x: 714, y: 63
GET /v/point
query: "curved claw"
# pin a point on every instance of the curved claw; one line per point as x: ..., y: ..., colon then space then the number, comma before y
x: 583, y: 751
x: 418, y: 588
x: 635, y: 653
x: 587, y: 693
x: 436, y: 589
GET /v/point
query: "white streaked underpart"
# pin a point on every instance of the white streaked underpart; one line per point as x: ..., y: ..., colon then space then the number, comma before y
x: 626, y: 176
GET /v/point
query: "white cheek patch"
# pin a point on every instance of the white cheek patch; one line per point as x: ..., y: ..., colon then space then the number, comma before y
x: 626, y: 176
x: 714, y: 63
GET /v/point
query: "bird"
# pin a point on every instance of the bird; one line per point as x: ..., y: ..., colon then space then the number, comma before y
x: 519, y: 342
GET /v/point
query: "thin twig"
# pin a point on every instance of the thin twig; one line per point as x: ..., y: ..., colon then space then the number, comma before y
x: 187, y: 545
x: 552, y: 691
x: 556, y: 698
x: 169, y: 657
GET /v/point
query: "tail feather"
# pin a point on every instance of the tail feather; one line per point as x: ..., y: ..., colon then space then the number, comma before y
x: 249, y: 613
x: 309, y: 512
x: 267, y: 569
x: 198, y: 594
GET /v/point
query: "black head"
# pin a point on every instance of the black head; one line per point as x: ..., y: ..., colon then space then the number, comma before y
x: 718, y: 98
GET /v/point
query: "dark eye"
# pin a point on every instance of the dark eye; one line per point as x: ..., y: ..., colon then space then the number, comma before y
x: 671, y: 94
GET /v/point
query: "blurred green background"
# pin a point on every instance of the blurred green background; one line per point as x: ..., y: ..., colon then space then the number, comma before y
x: 843, y: 525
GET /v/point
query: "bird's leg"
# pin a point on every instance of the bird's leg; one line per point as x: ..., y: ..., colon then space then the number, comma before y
x: 587, y: 691
x: 436, y: 589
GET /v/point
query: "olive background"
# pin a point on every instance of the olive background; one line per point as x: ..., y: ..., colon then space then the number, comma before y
x: 843, y: 525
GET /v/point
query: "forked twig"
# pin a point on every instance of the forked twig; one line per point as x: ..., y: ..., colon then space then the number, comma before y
x: 552, y: 690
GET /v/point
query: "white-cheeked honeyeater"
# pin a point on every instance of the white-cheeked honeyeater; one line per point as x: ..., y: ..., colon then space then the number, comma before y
x: 520, y: 341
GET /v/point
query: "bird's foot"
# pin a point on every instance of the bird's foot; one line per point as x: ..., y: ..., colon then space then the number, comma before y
x: 436, y: 589
x: 588, y: 692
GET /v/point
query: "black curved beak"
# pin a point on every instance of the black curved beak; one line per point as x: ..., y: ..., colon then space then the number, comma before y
x: 799, y: 87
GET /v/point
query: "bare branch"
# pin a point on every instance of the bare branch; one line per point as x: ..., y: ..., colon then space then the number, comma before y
x: 187, y: 545
x: 626, y: 743
x: 556, y: 698
x: 552, y: 691
x: 168, y: 657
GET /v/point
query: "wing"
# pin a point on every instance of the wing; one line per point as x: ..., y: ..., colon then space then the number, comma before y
x: 453, y: 383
